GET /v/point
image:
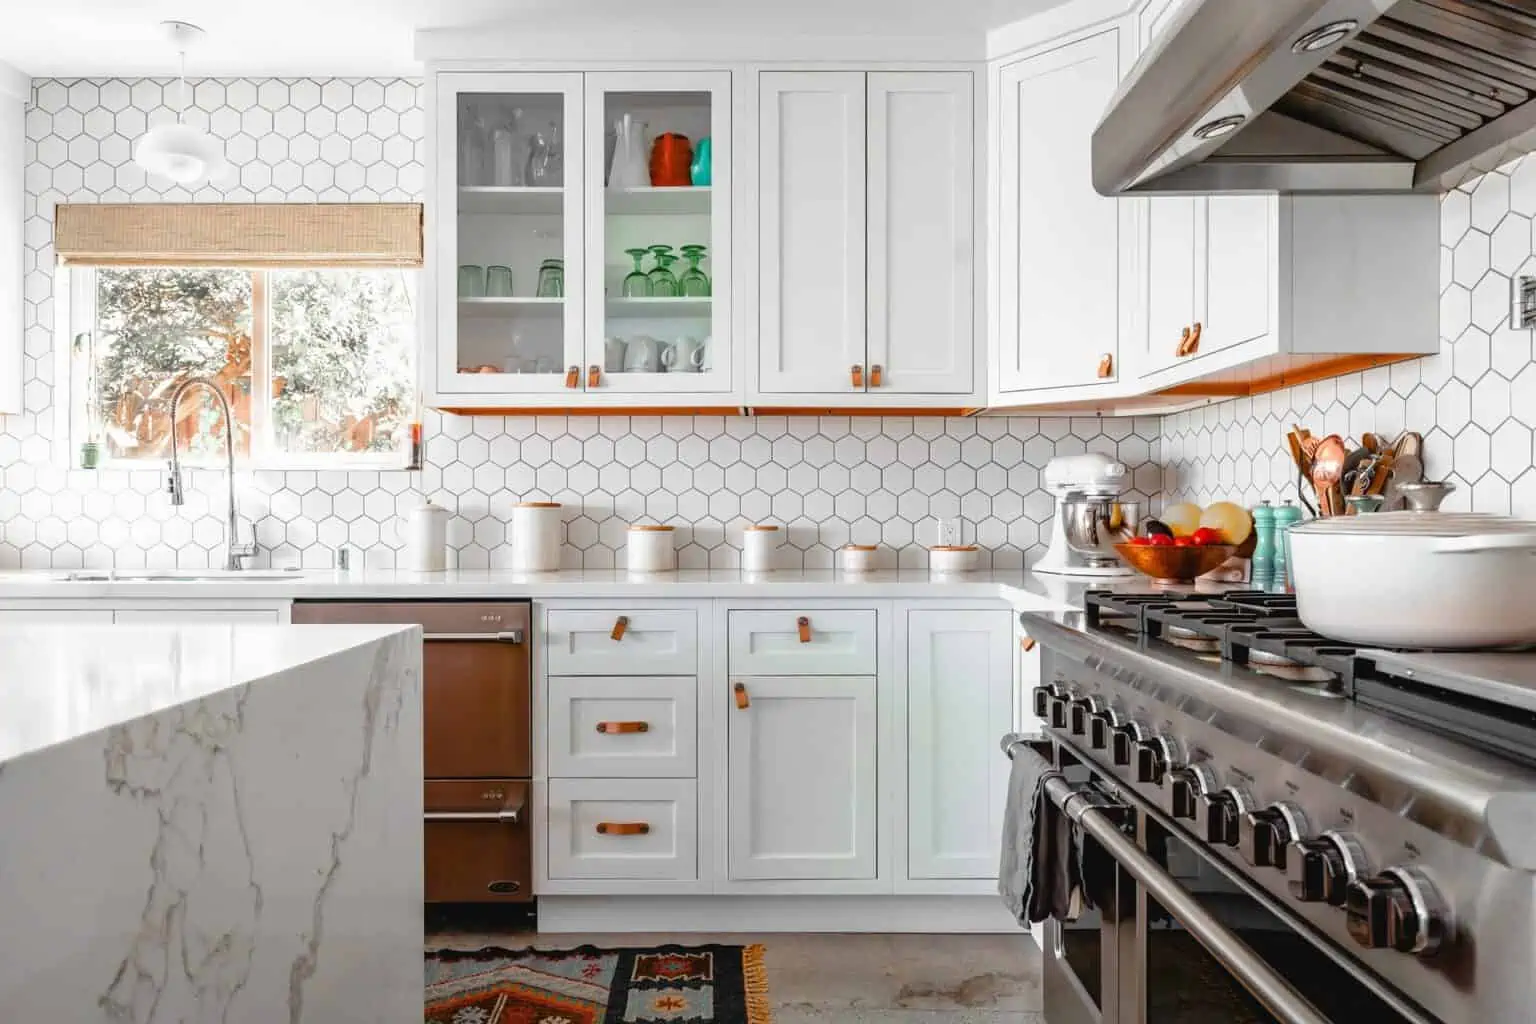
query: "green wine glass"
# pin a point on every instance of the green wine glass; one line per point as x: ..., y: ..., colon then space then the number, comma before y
x: 636, y: 284
x: 693, y: 282
x: 663, y: 283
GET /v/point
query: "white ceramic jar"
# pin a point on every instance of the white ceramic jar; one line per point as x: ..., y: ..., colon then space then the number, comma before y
x: 650, y: 548
x: 426, y: 542
x: 951, y: 558
x: 536, y: 536
x: 759, y: 541
x: 859, y: 558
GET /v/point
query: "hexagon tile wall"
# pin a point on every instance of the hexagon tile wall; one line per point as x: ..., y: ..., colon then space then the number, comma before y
x: 830, y: 480
x: 1475, y: 402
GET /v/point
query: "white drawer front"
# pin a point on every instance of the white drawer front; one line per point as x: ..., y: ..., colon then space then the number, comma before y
x: 196, y: 616
x: 593, y: 722
x: 836, y: 642
x: 588, y: 819
x: 653, y: 641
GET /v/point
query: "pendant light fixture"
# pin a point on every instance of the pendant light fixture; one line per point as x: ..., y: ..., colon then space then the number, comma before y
x: 185, y: 154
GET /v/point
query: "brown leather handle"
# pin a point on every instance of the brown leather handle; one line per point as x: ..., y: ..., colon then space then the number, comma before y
x: 610, y: 728
x: 742, y: 700
x: 573, y: 377
x: 803, y: 627
x: 594, y: 375
x: 874, y: 375
x: 620, y: 624
x: 1026, y: 643
x: 1189, y: 342
x: 623, y: 828
x: 1106, y: 365
x: 857, y: 373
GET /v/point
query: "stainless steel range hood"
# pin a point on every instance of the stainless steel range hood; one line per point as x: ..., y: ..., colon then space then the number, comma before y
x: 1323, y: 96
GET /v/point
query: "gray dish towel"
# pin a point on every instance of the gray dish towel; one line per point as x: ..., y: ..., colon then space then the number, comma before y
x: 1040, y: 873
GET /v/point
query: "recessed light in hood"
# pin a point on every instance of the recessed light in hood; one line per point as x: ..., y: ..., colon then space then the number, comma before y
x: 1324, y: 36
x: 1219, y: 127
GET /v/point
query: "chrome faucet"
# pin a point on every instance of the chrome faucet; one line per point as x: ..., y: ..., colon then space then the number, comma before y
x: 235, y: 550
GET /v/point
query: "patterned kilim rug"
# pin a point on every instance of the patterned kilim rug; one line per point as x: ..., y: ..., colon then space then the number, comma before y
x: 587, y: 985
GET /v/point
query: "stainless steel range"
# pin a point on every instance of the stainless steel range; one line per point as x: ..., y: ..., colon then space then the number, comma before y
x: 1299, y: 831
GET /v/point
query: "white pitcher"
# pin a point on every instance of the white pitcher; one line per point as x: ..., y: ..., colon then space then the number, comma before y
x: 613, y: 355
x: 631, y: 165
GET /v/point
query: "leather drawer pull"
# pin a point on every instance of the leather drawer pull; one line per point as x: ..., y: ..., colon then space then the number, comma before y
x: 1189, y: 342
x: 742, y: 700
x: 874, y: 375
x: 1026, y: 643
x: 620, y: 624
x: 856, y: 372
x: 1106, y: 365
x: 594, y: 373
x: 610, y: 728
x: 623, y: 828
x: 573, y: 377
x: 803, y: 625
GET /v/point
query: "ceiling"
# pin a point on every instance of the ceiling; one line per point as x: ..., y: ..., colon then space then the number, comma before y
x: 76, y: 38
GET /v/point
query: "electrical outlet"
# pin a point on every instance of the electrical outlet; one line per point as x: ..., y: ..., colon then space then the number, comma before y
x: 947, y: 530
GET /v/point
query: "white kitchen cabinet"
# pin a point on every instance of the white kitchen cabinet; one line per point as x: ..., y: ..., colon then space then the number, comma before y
x: 1065, y: 266
x: 195, y: 616
x: 867, y: 284
x: 15, y: 91
x: 623, y: 829
x: 55, y: 616
x: 802, y: 791
x: 960, y: 697
x: 621, y: 641
x: 794, y: 641
x: 623, y: 726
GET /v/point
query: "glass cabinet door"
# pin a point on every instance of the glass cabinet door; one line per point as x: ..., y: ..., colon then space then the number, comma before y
x: 658, y: 232
x: 510, y: 256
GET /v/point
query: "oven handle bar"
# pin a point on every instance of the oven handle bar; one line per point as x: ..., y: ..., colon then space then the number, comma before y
x: 506, y: 636
x: 1097, y: 815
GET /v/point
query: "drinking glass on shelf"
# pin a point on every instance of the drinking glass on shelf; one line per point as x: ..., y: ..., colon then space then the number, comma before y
x: 663, y: 284
x: 693, y: 282
x: 636, y: 284
x: 474, y: 143
x: 471, y: 281
x: 539, y: 173
x: 498, y: 282
x: 551, y: 279
x: 506, y: 160
x: 555, y: 160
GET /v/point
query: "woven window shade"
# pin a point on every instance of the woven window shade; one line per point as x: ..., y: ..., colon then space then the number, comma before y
x: 239, y: 234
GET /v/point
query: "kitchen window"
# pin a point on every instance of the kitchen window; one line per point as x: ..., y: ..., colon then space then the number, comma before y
x: 314, y: 349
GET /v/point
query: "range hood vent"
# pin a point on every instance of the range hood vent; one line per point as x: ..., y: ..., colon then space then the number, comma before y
x: 1324, y: 95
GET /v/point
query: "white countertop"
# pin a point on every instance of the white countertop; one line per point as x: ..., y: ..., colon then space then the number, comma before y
x: 60, y: 683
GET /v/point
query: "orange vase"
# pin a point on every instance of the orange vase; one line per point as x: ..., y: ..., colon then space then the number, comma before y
x: 671, y: 155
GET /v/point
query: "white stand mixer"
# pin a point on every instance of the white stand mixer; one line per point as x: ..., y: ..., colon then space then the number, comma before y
x: 1087, y: 490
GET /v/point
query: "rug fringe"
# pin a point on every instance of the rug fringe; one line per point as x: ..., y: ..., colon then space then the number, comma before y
x: 754, y: 971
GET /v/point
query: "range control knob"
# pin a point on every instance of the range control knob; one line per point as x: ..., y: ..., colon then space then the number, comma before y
x: 1124, y: 740
x: 1154, y: 756
x: 1185, y: 788
x: 1266, y: 834
x: 1058, y: 710
x: 1219, y: 814
x: 1101, y: 726
x: 1043, y: 695
x: 1079, y: 711
x: 1398, y: 909
x: 1320, y: 870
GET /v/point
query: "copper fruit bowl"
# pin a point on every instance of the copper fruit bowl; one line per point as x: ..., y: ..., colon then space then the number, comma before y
x: 1174, y: 564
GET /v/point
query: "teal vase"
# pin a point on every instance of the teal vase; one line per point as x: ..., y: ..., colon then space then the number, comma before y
x: 698, y: 171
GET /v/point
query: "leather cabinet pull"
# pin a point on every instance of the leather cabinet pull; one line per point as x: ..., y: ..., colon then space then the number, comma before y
x: 594, y: 375
x: 1026, y: 643
x: 857, y: 373
x: 803, y: 626
x: 620, y: 624
x: 573, y: 377
x: 623, y: 828
x: 1194, y: 341
x: 874, y: 375
x: 742, y: 700
x: 1106, y: 366
x: 612, y: 728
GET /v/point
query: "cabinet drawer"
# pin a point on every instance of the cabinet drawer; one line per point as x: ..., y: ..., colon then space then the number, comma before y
x: 623, y: 828
x: 478, y: 845
x: 651, y: 642
x: 195, y: 616
x: 832, y: 642
x: 623, y: 726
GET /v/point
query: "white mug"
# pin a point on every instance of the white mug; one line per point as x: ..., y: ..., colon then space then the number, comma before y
x: 668, y: 355
x: 642, y: 355
x: 613, y: 355
x: 688, y: 355
x: 706, y: 355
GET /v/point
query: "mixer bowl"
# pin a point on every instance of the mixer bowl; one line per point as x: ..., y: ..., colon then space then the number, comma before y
x: 1093, y: 526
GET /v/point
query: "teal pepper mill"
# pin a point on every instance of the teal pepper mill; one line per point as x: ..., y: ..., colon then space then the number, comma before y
x: 698, y: 171
x: 1264, y: 549
x: 1285, y: 517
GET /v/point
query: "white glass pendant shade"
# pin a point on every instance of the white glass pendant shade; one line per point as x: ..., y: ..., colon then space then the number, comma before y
x: 180, y: 152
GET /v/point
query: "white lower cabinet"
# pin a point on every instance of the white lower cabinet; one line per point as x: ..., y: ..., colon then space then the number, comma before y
x: 148, y: 613
x: 623, y: 727
x: 960, y: 697
x: 196, y: 616
x: 45, y: 616
x: 802, y: 789
x: 623, y: 829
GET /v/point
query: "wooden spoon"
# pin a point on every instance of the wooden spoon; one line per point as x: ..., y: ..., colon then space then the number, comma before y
x: 1327, y: 469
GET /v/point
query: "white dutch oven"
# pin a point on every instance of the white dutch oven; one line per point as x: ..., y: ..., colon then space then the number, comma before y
x: 1417, y: 579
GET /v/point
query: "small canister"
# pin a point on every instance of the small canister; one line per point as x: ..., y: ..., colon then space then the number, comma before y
x: 858, y: 558
x: 1264, y: 547
x: 426, y: 544
x: 1285, y: 517
x: 759, y: 541
x: 536, y: 536
x: 650, y: 548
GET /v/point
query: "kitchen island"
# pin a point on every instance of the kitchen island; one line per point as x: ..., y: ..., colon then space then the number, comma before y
x: 211, y: 823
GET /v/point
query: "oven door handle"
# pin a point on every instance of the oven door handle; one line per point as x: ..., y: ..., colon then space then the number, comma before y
x: 506, y: 636
x: 1097, y: 815
x: 508, y: 816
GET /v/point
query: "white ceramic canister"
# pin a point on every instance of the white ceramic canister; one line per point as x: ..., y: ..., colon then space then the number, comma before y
x: 426, y: 542
x: 650, y: 548
x: 949, y: 558
x: 759, y: 541
x: 859, y: 558
x: 536, y: 536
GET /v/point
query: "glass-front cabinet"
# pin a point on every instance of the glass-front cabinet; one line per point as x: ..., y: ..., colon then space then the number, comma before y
x: 582, y: 238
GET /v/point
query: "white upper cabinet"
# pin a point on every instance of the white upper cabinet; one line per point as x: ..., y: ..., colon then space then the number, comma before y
x: 1065, y: 258
x: 867, y: 273
x: 811, y: 181
x: 15, y: 90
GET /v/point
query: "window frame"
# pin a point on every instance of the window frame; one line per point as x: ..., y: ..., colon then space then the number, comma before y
x: 76, y: 317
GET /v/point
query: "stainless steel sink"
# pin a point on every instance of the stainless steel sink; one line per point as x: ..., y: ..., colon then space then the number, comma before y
x: 187, y: 576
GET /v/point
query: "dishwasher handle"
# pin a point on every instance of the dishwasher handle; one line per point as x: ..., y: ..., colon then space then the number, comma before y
x: 506, y: 636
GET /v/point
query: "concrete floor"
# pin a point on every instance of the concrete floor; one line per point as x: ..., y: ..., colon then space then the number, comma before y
x: 855, y: 979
